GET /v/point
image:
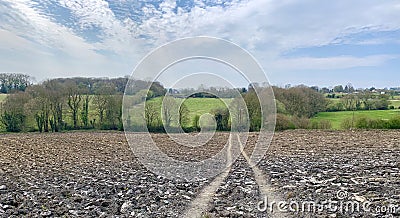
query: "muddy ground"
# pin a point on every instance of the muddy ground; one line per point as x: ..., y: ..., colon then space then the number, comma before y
x: 95, y: 174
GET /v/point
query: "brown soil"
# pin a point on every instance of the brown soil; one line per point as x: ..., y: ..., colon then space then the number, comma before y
x: 95, y: 174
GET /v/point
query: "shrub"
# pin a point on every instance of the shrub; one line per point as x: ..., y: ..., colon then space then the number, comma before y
x: 377, y: 124
x: 314, y: 124
x: 13, y: 115
x: 280, y: 107
x: 347, y: 123
x: 322, y: 124
x: 13, y: 122
x: 325, y: 124
x: 301, y: 101
x: 283, y: 122
x: 362, y: 123
x: 335, y: 106
x: 368, y: 123
x: 394, y: 123
x: 222, y: 118
x: 188, y: 129
x: 301, y: 122
x: 156, y: 129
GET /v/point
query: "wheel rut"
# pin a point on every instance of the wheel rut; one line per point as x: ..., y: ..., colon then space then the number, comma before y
x: 200, y: 204
x: 266, y: 190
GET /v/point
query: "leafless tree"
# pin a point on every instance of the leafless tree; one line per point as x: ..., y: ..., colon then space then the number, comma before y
x: 74, y: 98
x: 39, y: 106
x: 101, y: 99
x: 151, y: 113
x: 56, y: 94
x: 168, y: 107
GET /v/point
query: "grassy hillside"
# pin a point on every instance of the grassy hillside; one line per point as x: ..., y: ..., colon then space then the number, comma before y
x: 337, y: 118
x: 199, y: 106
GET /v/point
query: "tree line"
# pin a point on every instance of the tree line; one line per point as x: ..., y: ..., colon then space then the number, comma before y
x: 69, y: 104
x: 294, y: 107
x: 96, y: 103
x: 12, y: 82
x: 361, y: 101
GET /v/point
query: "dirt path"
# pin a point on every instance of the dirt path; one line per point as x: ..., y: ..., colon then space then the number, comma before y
x: 266, y: 190
x: 200, y: 204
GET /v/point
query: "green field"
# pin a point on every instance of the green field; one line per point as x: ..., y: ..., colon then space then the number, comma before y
x: 336, y: 118
x: 2, y: 97
x: 199, y: 106
x: 195, y: 106
x: 395, y: 103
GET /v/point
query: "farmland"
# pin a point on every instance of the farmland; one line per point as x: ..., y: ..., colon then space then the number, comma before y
x: 96, y: 175
x: 336, y: 118
x: 200, y: 106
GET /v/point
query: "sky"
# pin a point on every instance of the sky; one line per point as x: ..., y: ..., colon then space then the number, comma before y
x: 309, y: 42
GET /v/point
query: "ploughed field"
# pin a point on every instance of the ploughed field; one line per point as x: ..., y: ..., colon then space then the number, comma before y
x: 95, y: 174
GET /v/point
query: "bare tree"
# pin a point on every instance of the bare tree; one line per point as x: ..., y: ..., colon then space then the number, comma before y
x: 350, y: 102
x: 254, y: 110
x: 239, y: 116
x: 151, y: 113
x: 39, y: 106
x: 301, y: 101
x: 168, y: 107
x: 56, y: 95
x: 74, y: 101
x: 113, y: 112
x: 101, y: 99
x: 85, y: 110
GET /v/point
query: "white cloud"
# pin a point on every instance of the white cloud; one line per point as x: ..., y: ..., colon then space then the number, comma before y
x: 48, y: 49
x: 11, y: 40
x: 31, y: 24
x: 97, y: 14
x: 268, y: 28
x: 329, y: 63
